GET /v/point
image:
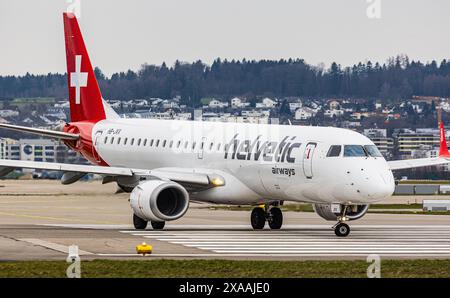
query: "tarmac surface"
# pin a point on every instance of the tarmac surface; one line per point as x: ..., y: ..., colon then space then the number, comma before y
x: 39, y: 220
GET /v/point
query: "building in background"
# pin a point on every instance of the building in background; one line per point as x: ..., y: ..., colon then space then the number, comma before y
x: 408, y: 142
x: 40, y: 150
x: 384, y: 143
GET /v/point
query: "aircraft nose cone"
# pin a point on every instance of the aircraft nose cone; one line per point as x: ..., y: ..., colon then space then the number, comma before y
x: 382, y: 187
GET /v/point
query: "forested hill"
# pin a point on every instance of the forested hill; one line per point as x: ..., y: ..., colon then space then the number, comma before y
x: 397, y: 78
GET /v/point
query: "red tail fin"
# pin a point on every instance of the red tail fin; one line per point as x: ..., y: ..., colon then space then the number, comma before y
x: 443, y: 150
x: 84, y: 94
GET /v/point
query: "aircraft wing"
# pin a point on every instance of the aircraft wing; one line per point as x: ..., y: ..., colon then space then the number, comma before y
x: 24, y: 164
x: 417, y: 163
x: 192, y: 180
x: 42, y: 132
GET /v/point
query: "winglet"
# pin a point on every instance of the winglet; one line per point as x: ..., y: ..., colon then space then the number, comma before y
x: 443, y: 149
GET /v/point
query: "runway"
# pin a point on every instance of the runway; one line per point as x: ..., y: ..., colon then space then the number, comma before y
x: 294, y: 242
x: 42, y: 227
x: 313, y: 241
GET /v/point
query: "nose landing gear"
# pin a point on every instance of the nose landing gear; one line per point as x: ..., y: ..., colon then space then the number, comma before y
x: 341, y: 229
x: 260, y: 215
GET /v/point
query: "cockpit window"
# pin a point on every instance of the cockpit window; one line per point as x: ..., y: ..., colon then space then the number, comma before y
x: 373, y: 151
x: 354, y: 151
x: 334, y: 151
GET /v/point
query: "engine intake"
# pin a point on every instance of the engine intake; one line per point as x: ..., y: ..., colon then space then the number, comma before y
x: 158, y: 200
x: 354, y: 212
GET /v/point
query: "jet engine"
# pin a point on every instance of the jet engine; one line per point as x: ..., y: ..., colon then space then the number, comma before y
x: 353, y: 212
x: 157, y: 200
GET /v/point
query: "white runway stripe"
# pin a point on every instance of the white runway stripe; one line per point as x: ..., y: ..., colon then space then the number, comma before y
x: 408, y: 241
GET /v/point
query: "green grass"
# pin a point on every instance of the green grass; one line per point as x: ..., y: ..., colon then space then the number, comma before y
x: 424, y: 182
x: 396, y: 206
x: 410, y: 212
x: 205, y: 100
x: 387, y: 208
x: 229, y: 269
x: 289, y: 207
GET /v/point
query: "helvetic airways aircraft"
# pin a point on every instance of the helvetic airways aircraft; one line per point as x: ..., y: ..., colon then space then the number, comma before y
x: 165, y: 164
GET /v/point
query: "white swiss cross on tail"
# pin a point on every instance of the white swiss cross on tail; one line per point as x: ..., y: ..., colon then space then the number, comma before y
x: 78, y: 79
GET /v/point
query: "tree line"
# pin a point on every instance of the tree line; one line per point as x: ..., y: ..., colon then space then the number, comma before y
x: 398, y: 78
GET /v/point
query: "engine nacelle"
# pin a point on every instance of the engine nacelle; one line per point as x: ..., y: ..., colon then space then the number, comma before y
x: 354, y: 212
x: 157, y: 200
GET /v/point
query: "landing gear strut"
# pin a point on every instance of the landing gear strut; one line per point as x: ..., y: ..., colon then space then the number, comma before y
x: 273, y: 216
x: 341, y: 229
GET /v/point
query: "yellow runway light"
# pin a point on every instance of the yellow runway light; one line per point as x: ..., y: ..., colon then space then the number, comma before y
x: 144, y: 249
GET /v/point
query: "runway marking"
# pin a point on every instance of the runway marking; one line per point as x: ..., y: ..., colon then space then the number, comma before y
x: 50, y: 218
x: 53, y: 246
x: 318, y: 241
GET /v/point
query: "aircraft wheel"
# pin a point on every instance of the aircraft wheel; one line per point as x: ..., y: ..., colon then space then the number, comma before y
x: 158, y: 225
x: 139, y: 223
x: 275, y: 218
x: 258, y: 218
x: 342, y: 230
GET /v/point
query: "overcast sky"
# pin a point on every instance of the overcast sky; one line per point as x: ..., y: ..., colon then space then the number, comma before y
x: 125, y: 34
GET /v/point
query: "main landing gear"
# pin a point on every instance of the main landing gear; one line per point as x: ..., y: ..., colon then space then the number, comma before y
x: 272, y: 215
x: 341, y: 229
x: 140, y: 224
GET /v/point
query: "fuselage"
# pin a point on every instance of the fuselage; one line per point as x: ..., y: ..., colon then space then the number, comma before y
x: 259, y: 162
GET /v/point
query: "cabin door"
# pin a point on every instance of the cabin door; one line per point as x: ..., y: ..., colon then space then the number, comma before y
x: 308, y: 160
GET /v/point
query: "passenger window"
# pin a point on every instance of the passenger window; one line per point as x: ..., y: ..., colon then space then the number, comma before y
x: 211, y: 146
x: 106, y: 140
x: 118, y: 141
x: 179, y: 144
x: 218, y: 146
x: 170, y: 144
x: 334, y: 151
x: 151, y: 143
x: 164, y: 143
x: 132, y: 142
x: 354, y: 151
x: 186, y: 145
x: 112, y: 140
x: 157, y: 143
x: 193, y: 146
x: 125, y: 141
x: 139, y: 142
x: 145, y: 142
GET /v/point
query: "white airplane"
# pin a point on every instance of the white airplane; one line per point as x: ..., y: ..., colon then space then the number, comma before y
x: 165, y: 164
